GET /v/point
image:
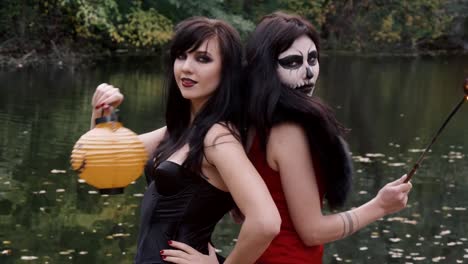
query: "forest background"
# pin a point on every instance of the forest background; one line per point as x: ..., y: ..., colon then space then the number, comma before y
x: 76, y: 32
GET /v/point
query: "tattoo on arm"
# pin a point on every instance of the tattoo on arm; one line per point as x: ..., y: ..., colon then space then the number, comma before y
x: 344, y: 225
x: 349, y: 224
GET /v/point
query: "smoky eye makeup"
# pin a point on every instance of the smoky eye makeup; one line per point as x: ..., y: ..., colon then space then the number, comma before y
x: 312, y: 57
x: 203, y: 57
x: 291, y: 62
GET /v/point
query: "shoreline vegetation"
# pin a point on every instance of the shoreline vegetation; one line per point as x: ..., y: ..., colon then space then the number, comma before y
x: 82, y: 33
x: 77, y: 60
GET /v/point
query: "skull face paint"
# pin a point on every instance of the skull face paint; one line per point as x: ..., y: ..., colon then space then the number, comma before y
x: 298, y: 67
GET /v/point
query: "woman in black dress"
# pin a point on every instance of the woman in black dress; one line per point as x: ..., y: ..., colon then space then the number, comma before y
x: 197, y: 168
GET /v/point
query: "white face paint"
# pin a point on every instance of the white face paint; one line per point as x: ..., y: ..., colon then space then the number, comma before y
x: 298, y: 66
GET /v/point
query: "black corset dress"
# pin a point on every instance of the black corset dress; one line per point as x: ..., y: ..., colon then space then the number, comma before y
x: 178, y: 205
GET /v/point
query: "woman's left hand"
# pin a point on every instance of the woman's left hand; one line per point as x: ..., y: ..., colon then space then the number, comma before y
x: 185, y: 254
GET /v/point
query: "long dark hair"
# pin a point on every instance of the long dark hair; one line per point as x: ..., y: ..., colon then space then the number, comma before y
x: 271, y: 102
x: 224, y: 105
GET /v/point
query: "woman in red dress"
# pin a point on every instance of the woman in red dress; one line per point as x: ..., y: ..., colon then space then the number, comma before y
x: 297, y: 147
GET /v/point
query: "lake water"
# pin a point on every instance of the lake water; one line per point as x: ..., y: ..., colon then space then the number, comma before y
x: 393, y: 106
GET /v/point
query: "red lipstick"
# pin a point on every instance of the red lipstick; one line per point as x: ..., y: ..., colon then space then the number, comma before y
x: 187, y: 83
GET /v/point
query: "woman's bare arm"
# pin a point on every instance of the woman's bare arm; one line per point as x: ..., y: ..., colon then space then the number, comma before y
x: 289, y: 154
x: 107, y: 96
x: 262, y: 220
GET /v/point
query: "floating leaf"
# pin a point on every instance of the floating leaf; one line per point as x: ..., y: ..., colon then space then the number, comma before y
x: 445, y: 232
x: 121, y: 235
x: 362, y: 159
x: 402, y: 220
x: 437, y: 259
x: 415, y: 150
x: 396, y: 164
x: 28, y: 257
x: 6, y: 252
x: 58, y: 171
x: 375, y: 155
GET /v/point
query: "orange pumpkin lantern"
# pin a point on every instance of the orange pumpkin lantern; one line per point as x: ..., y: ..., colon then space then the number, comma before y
x: 109, y: 157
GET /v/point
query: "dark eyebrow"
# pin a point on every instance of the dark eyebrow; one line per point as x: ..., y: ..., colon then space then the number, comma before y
x: 202, y: 52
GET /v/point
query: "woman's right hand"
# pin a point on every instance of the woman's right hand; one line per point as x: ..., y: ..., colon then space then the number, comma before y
x: 394, y: 195
x: 104, y: 97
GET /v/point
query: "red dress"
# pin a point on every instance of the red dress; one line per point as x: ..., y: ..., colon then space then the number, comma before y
x: 287, y: 247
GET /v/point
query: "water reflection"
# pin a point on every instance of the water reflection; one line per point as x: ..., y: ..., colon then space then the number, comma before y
x: 392, y: 105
